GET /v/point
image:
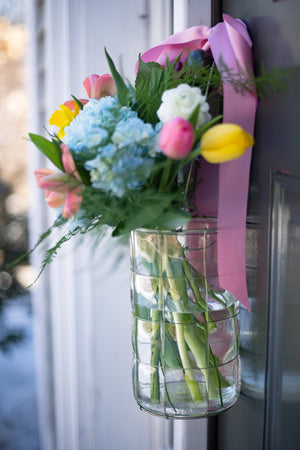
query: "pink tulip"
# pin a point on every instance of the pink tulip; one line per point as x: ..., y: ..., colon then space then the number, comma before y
x: 41, y: 173
x: 68, y: 162
x: 62, y: 189
x: 176, y: 138
x: 71, y: 104
x: 55, y: 199
x: 72, y: 203
x: 98, y: 87
x: 58, y: 182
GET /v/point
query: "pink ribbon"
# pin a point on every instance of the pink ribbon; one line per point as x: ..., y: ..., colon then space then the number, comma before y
x: 230, y: 40
x: 224, y: 189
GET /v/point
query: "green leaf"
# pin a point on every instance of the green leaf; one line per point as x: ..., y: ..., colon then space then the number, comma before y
x: 149, y: 86
x: 194, y: 116
x: 50, y: 149
x: 172, y: 356
x: 123, y: 92
x: 145, y: 70
x: 84, y: 174
x: 77, y: 101
x: 142, y: 312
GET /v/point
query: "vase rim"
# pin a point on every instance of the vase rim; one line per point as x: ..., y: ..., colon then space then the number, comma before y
x: 196, y: 225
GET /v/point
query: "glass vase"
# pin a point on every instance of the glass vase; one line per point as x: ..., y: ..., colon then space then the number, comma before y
x: 185, y: 331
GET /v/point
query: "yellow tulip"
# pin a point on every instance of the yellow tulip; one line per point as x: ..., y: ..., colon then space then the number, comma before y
x: 224, y: 142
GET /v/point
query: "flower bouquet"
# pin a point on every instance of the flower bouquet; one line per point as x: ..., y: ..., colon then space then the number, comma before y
x: 128, y: 160
x: 125, y: 155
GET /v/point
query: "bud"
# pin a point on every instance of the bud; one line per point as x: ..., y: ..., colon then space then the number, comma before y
x: 176, y: 138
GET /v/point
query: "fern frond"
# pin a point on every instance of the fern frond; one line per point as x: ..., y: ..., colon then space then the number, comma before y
x: 56, y: 224
x: 263, y: 85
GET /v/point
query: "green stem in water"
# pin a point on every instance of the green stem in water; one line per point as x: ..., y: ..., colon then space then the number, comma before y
x: 200, y: 352
x: 188, y: 332
x: 155, y: 356
x: 199, y: 299
x: 150, y: 248
x: 185, y: 359
x: 156, y: 332
x: 236, y: 333
x: 177, y: 289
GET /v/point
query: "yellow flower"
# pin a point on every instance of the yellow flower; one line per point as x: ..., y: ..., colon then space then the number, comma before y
x: 225, y: 142
x: 63, y: 117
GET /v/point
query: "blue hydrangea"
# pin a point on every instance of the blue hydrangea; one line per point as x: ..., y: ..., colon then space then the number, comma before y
x: 118, y: 148
x: 93, y: 126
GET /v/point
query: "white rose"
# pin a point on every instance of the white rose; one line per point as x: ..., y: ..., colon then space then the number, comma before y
x: 181, y: 102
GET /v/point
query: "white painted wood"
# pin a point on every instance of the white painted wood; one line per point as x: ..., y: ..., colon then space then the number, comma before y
x: 188, y: 13
x: 82, y: 305
x: 40, y: 292
x: 60, y: 274
x: 190, y: 435
x: 160, y: 27
x: 161, y: 21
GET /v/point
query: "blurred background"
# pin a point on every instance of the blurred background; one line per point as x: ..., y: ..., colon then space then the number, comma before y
x: 18, y: 413
x: 82, y: 311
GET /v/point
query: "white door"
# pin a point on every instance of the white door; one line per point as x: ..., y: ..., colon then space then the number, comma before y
x: 82, y: 305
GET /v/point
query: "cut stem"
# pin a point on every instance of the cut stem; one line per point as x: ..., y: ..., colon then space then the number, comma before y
x: 155, y: 356
x: 177, y: 290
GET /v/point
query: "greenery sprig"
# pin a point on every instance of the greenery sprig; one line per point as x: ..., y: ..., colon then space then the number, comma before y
x: 264, y: 85
x: 152, y: 80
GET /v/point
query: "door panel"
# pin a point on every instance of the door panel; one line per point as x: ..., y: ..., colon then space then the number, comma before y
x: 269, y: 406
x: 283, y: 381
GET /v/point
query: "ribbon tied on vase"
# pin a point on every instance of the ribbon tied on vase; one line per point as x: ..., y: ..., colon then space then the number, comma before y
x: 223, y: 191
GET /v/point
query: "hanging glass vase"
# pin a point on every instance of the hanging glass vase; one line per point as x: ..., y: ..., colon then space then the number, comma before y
x: 185, y: 330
